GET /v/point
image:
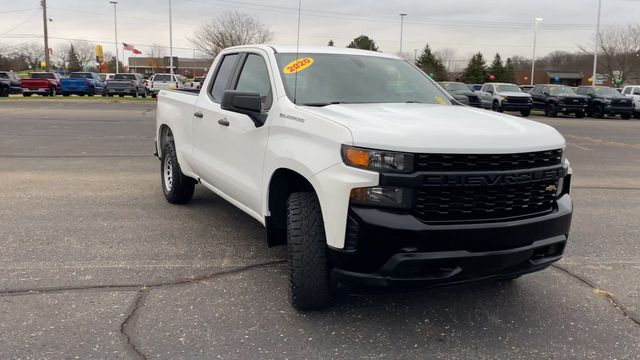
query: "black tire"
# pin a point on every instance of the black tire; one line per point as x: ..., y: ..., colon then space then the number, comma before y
x: 496, y: 107
x: 26, y: 94
x: 4, y: 92
x: 135, y: 94
x: 598, y: 111
x: 637, y: 115
x: 525, y: 113
x: 551, y: 110
x: 179, y: 189
x: 121, y: 95
x: 65, y: 94
x: 91, y: 92
x: 580, y: 114
x: 110, y: 95
x: 625, y: 116
x: 144, y: 94
x: 309, y: 283
x: 154, y: 95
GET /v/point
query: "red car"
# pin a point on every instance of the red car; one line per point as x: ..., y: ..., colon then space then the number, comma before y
x: 42, y: 83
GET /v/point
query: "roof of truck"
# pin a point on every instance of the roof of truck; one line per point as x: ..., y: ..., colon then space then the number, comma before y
x: 315, y: 50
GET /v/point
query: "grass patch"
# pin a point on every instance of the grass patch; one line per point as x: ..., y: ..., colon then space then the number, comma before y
x: 101, y: 99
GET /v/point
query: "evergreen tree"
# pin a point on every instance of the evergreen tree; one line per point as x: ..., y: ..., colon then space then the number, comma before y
x: 430, y: 64
x: 72, y: 59
x: 476, y: 70
x: 497, y: 68
x: 111, y: 65
x: 363, y: 42
x: 330, y: 43
x: 509, y: 73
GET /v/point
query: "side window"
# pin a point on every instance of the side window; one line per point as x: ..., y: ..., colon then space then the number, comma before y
x: 626, y: 91
x: 636, y: 91
x: 255, y: 78
x: 224, y: 74
x: 485, y: 88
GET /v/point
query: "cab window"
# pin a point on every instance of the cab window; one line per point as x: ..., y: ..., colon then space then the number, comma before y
x: 255, y: 78
x: 224, y: 74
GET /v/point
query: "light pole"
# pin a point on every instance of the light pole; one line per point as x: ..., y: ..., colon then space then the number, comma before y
x: 595, y: 50
x: 43, y: 3
x: 170, y: 39
x: 535, y: 38
x: 401, y: 29
x: 115, y: 21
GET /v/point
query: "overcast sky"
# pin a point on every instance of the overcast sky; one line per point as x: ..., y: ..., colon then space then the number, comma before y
x: 468, y: 26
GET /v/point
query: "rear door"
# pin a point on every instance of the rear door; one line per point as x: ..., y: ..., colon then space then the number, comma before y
x: 537, y: 97
x: 486, y: 96
x: 230, y: 145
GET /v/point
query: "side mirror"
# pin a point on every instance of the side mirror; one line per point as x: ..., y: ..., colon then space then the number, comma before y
x: 244, y: 102
x: 545, y: 93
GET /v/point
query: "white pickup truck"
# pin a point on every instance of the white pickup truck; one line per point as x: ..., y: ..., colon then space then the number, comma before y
x: 633, y: 91
x: 367, y: 170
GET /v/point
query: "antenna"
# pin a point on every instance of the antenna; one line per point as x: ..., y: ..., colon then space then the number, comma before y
x: 295, y: 81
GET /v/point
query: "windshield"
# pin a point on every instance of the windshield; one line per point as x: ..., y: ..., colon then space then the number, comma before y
x: 80, y: 76
x: 324, y: 79
x: 124, y: 77
x: 507, y: 88
x: 561, y: 90
x: 42, y: 76
x: 4, y: 76
x: 455, y: 86
x: 606, y: 91
x: 162, y: 78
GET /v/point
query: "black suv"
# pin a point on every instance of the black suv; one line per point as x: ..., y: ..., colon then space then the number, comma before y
x: 461, y: 89
x: 604, y: 100
x: 556, y: 99
x: 10, y: 83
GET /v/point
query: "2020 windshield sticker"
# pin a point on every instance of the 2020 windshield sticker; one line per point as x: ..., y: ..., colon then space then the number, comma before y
x: 441, y: 101
x: 297, y: 65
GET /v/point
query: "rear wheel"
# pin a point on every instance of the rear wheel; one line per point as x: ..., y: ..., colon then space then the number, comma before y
x: 625, y: 116
x: 65, y: 94
x: 4, y: 92
x: 309, y: 284
x: 177, y: 188
x: 154, y: 95
x: 135, y: 93
x: 26, y: 94
x: 91, y: 92
x: 551, y: 110
x: 525, y: 113
x: 496, y: 107
x: 580, y: 114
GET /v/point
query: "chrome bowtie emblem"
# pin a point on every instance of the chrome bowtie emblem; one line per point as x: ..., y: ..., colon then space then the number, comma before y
x: 551, y: 188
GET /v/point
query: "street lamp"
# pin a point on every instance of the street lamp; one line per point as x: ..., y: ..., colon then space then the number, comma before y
x: 595, y: 50
x: 535, y: 38
x: 401, y: 29
x: 170, y: 40
x: 115, y: 20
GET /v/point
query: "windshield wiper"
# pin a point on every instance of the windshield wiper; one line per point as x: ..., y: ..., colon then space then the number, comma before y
x: 413, y: 102
x: 324, y: 104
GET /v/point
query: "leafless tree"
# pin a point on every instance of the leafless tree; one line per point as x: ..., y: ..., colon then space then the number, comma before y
x: 61, y: 55
x: 229, y: 29
x: 31, y: 53
x: 448, y: 58
x: 156, y: 55
x: 619, y: 52
x: 85, y: 51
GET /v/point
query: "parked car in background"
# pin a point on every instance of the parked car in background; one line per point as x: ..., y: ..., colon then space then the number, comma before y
x: 105, y: 77
x: 461, y: 89
x: 633, y: 91
x: 10, y: 83
x: 474, y: 87
x: 126, y: 84
x: 41, y: 83
x: 164, y: 82
x: 505, y: 97
x: 556, y: 99
x: 194, y: 84
x: 604, y: 100
x: 82, y: 83
x: 526, y: 88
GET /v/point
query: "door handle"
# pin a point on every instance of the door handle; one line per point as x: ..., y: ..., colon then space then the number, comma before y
x: 198, y: 114
x: 223, y: 122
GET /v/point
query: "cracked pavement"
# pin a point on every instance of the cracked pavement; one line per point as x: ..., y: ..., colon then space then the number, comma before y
x: 96, y: 264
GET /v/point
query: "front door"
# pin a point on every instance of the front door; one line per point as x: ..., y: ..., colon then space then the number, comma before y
x: 229, y: 147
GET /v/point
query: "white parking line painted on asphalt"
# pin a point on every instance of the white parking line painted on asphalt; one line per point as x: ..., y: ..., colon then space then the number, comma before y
x: 580, y: 147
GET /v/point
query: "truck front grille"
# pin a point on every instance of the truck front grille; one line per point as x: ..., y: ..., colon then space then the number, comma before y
x: 485, y: 201
x: 487, y: 162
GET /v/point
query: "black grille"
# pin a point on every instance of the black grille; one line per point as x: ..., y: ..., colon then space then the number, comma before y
x: 487, y: 162
x: 621, y: 102
x: 518, y: 100
x: 483, y: 204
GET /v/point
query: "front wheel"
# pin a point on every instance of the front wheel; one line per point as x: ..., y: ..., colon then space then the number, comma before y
x: 135, y: 94
x: 580, y: 114
x: 625, y: 116
x: 4, y: 92
x: 309, y: 284
x: 525, y: 113
x: 177, y: 188
x: 598, y: 111
x: 26, y: 94
x: 551, y: 110
x: 496, y: 107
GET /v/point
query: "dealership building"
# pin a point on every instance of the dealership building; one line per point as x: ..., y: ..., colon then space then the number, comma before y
x: 188, y: 67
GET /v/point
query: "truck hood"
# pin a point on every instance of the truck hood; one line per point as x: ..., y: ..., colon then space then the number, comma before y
x: 513, y: 94
x: 440, y: 129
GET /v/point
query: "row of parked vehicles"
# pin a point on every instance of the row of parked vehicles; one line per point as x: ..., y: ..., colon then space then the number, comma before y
x: 553, y: 99
x: 92, y: 84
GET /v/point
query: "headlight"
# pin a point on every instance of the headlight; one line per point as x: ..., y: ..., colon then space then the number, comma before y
x: 504, y: 99
x: 607, y: 101
x: 385, y: 196
x: 377, y: 160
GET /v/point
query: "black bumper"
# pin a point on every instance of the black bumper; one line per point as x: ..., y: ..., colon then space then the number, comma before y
x: 516, y: 106
x: 617, y: 110
x: 570, y: 108
x: 391, y: 249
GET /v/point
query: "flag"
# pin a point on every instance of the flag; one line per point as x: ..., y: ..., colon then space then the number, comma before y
x: 131, y: 48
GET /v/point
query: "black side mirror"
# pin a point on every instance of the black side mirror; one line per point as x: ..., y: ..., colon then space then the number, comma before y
x: 243, y: 102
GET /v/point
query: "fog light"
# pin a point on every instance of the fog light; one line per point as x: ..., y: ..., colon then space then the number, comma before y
x: 385, y: 196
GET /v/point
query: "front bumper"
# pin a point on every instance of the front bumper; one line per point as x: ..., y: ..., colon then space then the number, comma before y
x: 121, y: 91
x: 506, y: 106
x: 617, y: 110
x: 391, y: 249
x: 570, y: 108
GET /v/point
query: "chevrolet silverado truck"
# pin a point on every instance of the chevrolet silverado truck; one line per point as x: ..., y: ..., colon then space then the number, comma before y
x: 606, y: 101
x: 367, y: 170
x: 126, y: 84
x: 41, y: 83
x: 82, y: 83
x: 558, y: 99
x: 10, y: 83
x: 633, y: 93
x: 505, y: 97
x: 461, y: 89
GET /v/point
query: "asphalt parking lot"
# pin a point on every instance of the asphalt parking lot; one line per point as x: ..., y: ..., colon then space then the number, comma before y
x: 94, y: 263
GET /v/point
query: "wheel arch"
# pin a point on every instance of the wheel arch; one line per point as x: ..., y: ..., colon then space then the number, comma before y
x: 165, y: 135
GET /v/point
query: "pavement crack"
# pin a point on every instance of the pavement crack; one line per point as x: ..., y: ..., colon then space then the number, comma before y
x: 133, y: 287
x: 126, y: 328
x: 614, y: 301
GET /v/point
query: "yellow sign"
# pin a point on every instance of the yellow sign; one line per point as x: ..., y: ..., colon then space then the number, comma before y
x: 43, y: 64
x: 99, y: 54
x: 297, y: 65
